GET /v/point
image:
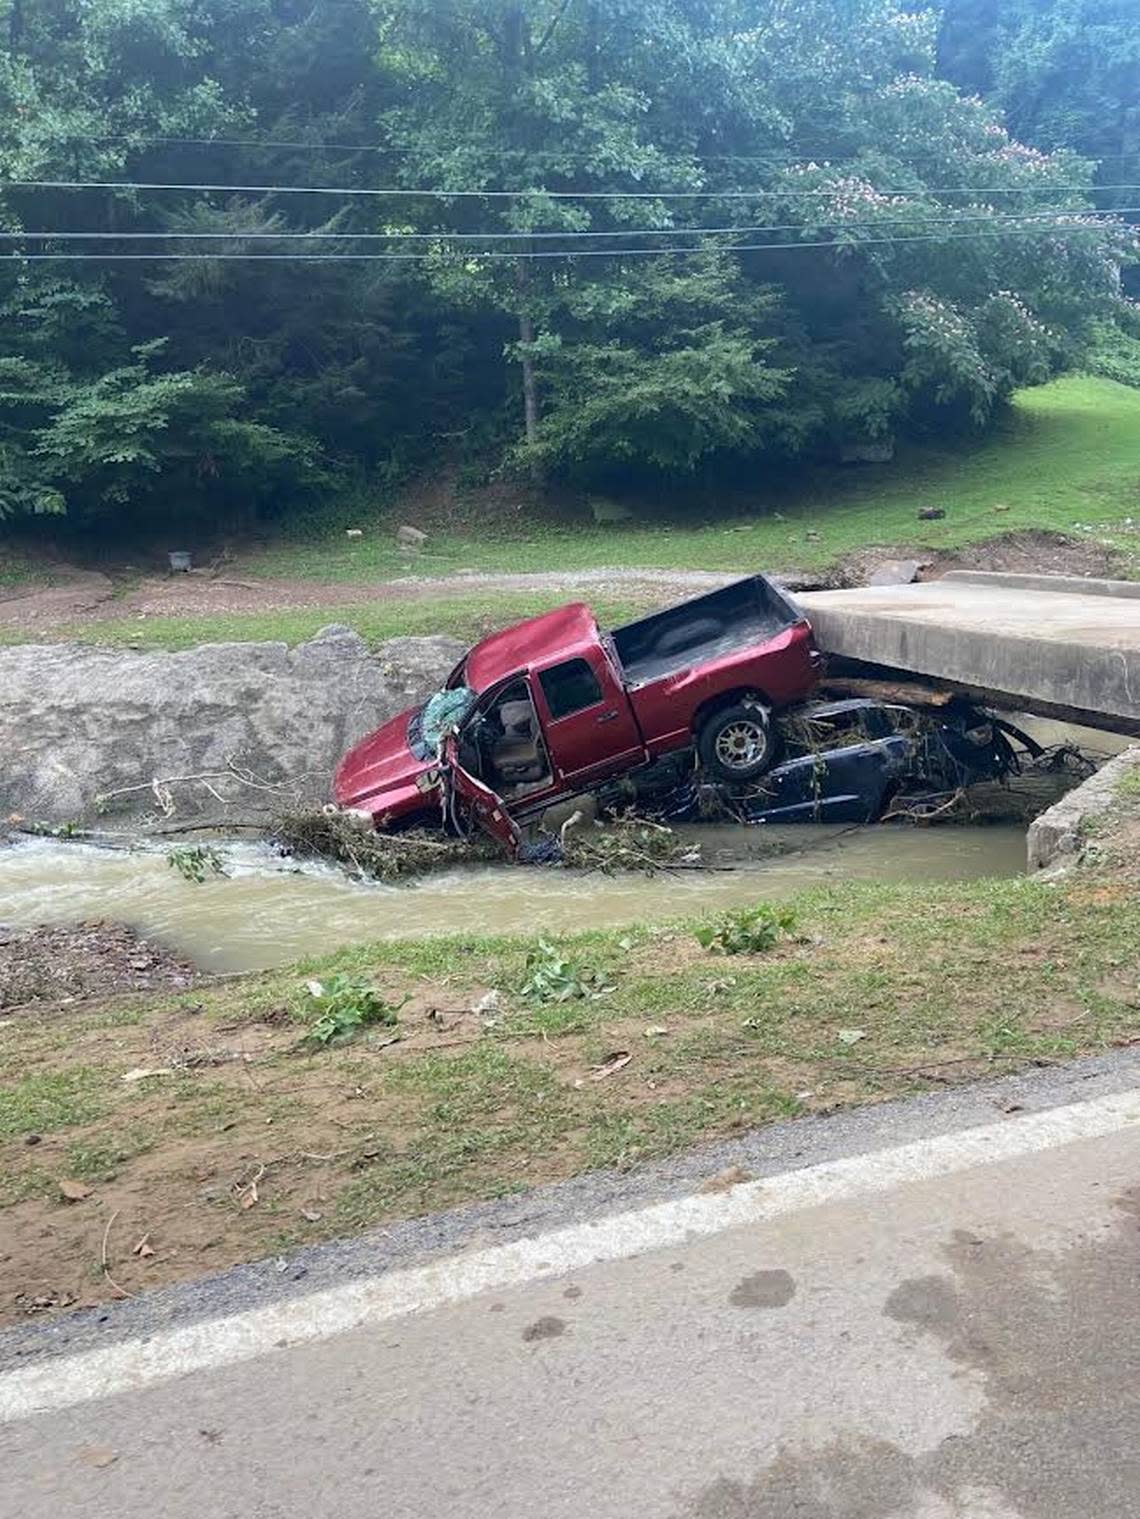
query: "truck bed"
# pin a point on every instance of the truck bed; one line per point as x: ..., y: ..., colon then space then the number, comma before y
x: 708, y: 627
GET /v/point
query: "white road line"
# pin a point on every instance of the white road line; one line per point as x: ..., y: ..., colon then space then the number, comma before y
x: 133, y: 1364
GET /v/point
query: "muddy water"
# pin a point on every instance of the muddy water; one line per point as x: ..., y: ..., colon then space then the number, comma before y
x: 268, y: 912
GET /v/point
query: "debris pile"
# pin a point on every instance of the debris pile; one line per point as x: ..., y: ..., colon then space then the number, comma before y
x: 353, y: 842
x: 629, y: 843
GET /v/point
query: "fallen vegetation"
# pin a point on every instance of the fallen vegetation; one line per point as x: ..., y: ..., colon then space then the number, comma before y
x: 348, y: 841
x: 625, y: 843
x: 213, y: 1122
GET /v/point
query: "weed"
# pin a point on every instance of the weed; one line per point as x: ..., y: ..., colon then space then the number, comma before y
x: 194, y: 862
x: 554, y: 977
x: 747, y: 930
x: 69, y: 830
x: 344, y: 1005
x: 46, y: 1101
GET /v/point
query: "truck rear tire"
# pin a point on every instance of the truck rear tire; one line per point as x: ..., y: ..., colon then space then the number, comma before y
x: 737, y: 743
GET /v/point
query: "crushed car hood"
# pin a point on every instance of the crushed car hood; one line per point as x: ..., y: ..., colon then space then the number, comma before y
x: 379, y: 765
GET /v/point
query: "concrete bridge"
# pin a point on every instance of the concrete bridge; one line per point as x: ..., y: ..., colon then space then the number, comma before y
x: 1054, y: 645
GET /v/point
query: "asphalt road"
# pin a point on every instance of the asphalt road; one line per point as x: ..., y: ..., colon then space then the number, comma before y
x: 923, y: 1328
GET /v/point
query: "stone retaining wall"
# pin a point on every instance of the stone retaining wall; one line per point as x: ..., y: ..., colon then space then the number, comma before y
x: 202, y: 733
x: 1058, y: 836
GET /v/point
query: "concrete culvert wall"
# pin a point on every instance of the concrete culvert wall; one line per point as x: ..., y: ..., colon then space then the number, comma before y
x: 77, y: 723
x: 1058, y: 837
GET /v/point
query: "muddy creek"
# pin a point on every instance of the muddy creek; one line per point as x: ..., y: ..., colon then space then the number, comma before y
x: 269, y: 911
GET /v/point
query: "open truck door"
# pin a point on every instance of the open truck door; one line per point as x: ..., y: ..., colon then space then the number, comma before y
x: 486, y: 808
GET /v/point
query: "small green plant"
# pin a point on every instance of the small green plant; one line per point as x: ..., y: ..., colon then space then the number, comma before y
x: 194, y: 862
x: 53, y: 830
x: 552, y: 977
x: 343, y: 1006
x: 747, y: 930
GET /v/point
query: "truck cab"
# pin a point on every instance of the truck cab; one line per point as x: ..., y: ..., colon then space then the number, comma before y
x: 553, y: 706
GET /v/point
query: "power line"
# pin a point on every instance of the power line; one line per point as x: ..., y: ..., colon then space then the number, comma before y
x: 783, y: 156
x: 760, y: 194
x: 791, y: 152
x: 997, y: 218
x: 313, y: 258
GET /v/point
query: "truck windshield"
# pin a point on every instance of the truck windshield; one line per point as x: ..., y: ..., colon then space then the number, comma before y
x: 438, y: 715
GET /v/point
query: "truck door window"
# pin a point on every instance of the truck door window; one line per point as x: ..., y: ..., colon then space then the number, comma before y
x: 503, y: 746
x: 570, y: 687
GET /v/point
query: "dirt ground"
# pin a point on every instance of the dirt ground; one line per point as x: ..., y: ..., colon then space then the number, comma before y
x: 1025, y: 553
x: 148, y: 1137
x: 65, y: 965
x: 90, y: 595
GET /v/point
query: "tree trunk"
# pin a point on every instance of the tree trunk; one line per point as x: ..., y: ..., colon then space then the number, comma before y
x: 529, y: 380
x: 517, y: 54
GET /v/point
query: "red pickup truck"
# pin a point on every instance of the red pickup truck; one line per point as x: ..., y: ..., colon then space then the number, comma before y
x: 550, y: 708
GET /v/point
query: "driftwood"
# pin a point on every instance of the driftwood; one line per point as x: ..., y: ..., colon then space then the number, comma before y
x: 905, y: 692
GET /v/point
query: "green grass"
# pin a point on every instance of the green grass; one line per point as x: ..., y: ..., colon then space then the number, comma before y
x: 19, y: 569
x: 1067, y: 459
x: 51, y: 1100
x: 464, y: 617
x: 937, y: 982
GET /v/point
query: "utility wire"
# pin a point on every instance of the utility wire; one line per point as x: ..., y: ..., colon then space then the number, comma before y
x: 1000, y: 219
x: 474, y: 254
x: 782, y: 156
x: 792, y: 151
x: 759, y: 194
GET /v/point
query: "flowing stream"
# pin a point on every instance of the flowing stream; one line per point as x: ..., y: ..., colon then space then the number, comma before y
x: 269, y: 910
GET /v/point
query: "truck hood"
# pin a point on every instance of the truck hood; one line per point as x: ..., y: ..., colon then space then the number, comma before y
x: 380, y: 770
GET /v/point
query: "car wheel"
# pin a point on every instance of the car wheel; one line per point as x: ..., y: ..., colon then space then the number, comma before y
x: 737, y: 743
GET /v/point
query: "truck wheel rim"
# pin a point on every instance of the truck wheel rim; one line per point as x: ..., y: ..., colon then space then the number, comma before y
x: 741, y: 745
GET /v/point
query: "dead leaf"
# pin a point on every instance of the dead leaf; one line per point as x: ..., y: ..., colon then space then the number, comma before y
x: 851, y: 1035
x: 313, y: 1215
x: 74, y: 1191
x: 658, y: 1031
x: 98, y: 1456
x: 247, y: 1194
x: 615, y: 1062
x: 144, y: 1073
x: 724, y: 1180
x: 143, y: 1249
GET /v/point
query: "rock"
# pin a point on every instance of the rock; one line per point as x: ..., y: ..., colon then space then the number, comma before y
x: 931, y: 513
x: 895, y: 572
x: 605, y: 511
x: 410, y: 537
x: 867, y: 451
x: 77, y: 722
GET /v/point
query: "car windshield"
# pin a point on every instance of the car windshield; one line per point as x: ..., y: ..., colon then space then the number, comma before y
x: 438, y: 715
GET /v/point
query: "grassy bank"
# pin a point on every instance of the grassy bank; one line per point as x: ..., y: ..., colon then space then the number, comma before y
x: 246, y: 1141
x: 20, y: 569
x: 467, y: 617
x: 1067, y: 460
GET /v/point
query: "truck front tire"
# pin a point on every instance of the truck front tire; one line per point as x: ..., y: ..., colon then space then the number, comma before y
x: 737, y: 743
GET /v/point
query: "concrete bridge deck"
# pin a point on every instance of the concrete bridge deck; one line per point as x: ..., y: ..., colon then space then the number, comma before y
x: 1055, y: 645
